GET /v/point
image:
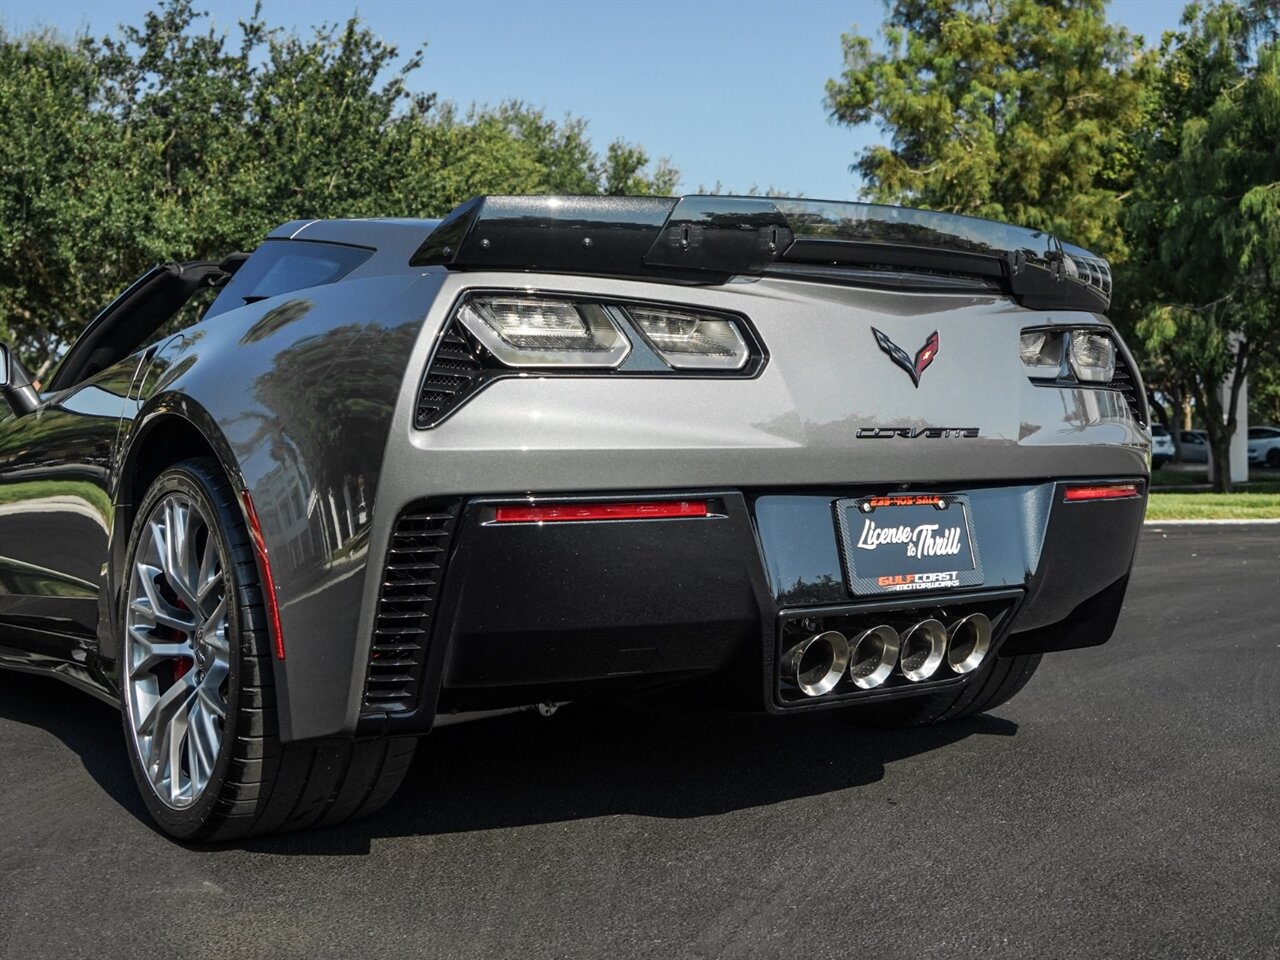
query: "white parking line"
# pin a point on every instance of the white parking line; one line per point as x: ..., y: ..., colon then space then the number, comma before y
x: 1181, y: 523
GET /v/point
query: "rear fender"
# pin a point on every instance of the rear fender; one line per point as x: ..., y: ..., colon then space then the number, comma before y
x: 294, y: 396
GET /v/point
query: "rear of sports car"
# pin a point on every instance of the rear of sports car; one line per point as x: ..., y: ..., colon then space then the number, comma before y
x: 766, y: 456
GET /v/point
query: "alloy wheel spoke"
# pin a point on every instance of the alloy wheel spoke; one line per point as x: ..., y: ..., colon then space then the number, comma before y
x: 215, y: 627
x: 210, y: 698
x: 158, y: 754
x: 177, y: 557
x: 162, y: 617
x: 178, y: 726
x: 154, y: 652
x: 204, y: 734
x: 199, y: 764
x: 155, y: 606
x: 209, y: 577
x: 171, y: 702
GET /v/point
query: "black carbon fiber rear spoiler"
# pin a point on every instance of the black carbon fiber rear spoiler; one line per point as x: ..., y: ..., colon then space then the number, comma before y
x: 711, y: 238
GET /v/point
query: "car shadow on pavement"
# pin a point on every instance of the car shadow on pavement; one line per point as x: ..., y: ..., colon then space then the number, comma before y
x: 86, y: 725
x: 524, y: 769
x: 587, y: 763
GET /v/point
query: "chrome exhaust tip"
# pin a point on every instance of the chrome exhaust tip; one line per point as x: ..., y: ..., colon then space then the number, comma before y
x: 872, y: 655
x: 968, y: 640
x: 816, y: 665
x: 923, y: 646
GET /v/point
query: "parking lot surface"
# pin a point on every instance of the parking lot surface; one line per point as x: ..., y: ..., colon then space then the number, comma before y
x: 1125, y: 804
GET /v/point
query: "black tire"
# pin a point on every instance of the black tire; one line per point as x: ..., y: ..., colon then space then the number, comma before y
x: 992, y: 684
x: 258, y: 784
x: 1273, y: 457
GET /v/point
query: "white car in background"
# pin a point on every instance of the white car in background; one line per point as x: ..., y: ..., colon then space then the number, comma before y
x: 1161, y: 446
x: 1195, y: 446
x: 1264, y: 445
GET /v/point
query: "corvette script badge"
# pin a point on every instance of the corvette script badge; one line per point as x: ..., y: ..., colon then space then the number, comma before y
x: 924, y: 356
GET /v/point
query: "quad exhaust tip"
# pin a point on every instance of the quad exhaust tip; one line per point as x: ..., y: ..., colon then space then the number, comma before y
x: 968, y: 641
x: 817, y: 664
x: 923, y: 647
x: 872, y: 656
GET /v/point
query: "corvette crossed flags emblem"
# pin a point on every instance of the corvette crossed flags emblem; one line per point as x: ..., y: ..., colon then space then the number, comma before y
x: 924, y: 356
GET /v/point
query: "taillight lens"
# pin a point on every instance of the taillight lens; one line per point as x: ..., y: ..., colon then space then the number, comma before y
x: 1092, y: 356
x: 692, y: 341
x: 1041, y: 352
x: 539, y: 332
x: 1102, y: 491
x: 577, y: 512
x: 532, y: 330
x: 1085, y: 355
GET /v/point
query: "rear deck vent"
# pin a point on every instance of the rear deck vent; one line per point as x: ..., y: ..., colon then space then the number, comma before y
x: 410, y: 592
x: 457, y: 370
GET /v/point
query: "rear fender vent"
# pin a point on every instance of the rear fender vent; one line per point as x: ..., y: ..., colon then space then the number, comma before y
x: 411, y: 580
x: 1126, y: 382
x: 458, y: 369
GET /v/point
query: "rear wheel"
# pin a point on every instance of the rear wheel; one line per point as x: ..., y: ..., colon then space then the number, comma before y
x: 992, y: 684
x: 197, y: 691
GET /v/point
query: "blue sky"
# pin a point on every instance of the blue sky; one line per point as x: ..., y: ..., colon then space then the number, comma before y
x: 729, y: 91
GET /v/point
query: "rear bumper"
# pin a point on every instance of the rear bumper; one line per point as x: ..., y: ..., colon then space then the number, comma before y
x: 694, y: 607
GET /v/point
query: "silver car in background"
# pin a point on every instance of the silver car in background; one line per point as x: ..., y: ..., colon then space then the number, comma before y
x: 1195, y: 446
x: 1162, y: 449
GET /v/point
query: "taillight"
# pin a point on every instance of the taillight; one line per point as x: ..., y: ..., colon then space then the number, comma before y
x: 496, y: 335
x: 561, y: 512
x: 540, y: 332
x: 1102, y: 491
x: 558, y: 333
x: 1091, y: 356
x: 1066, y: 355
x: 689, y: 340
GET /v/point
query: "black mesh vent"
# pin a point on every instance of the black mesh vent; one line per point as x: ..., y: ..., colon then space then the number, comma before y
x: 1125, y: 381
x: 410, y: 591
x: 457, y: 370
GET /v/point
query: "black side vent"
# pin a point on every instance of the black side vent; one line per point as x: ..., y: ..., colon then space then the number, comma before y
x: 410, y: 591
x: 457, y: 370
x: 1126, y: 382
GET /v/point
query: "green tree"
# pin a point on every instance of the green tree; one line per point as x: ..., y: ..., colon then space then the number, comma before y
x: 171, y: 140
x: 1264, y: 394
x: 625, y: 172
x: 1205, y: 219
x: 58, y: 161
x: 1016, y: 110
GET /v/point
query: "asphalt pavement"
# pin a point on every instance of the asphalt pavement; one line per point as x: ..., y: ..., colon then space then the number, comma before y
x: 1125, y: 804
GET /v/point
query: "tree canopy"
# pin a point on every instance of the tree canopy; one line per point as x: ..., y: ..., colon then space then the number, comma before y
x: 1166, y: 160
x: 170, y: 140
x: 1205, y: 218
x: 1015, y: 110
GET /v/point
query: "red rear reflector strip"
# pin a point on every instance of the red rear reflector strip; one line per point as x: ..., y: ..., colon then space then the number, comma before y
x: 602, y: 511
x: 1106, y: 491
x: 268, y: 581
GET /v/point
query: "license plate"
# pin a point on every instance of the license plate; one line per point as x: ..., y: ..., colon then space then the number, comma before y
x: 908, y: 542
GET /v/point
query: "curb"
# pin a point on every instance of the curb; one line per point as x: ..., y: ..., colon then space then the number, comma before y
x: 1188, y: 523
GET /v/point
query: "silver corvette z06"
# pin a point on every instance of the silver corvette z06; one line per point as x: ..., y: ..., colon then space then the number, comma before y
x: 290, y: 510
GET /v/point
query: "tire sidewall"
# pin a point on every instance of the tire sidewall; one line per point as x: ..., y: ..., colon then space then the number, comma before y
x: 190, y: 480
